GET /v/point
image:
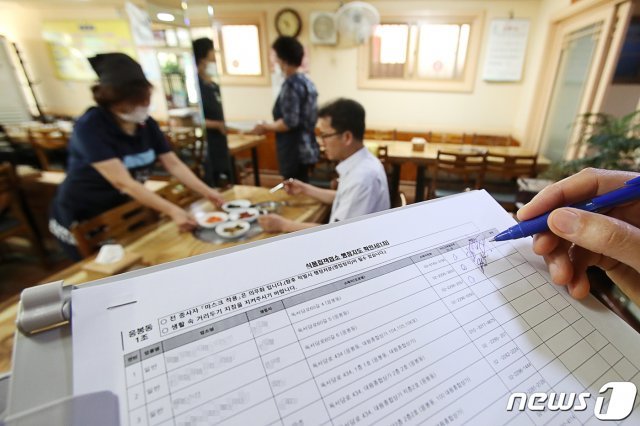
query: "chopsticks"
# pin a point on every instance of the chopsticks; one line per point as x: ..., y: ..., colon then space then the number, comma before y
x: 279, y: 186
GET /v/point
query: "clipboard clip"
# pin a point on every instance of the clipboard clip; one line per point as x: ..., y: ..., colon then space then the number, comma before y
x: 43, y: 307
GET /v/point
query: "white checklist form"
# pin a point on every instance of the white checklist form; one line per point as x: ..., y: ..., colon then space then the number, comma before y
x: 413, y: 316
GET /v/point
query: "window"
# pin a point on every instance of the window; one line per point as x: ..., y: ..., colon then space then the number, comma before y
x: 425, y: 53
x: 241, y: 50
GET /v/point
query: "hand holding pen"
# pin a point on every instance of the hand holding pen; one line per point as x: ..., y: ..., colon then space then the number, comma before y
x: 578, y: 238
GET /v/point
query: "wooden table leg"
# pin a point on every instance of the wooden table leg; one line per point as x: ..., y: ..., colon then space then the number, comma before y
x: 233, y: 178
x: 256, y: 169
x: 420, y: 183
x: 395, y: 179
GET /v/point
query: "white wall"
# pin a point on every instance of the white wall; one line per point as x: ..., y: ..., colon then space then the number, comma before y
x: 533, y: 66
x: 490, y: 107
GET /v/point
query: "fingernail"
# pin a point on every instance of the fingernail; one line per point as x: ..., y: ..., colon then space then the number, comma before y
x: 566, y: 221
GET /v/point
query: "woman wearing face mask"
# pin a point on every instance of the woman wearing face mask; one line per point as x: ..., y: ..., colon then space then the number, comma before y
x: 111, y: 152
x: 294, y: 113
x: 218, y: 164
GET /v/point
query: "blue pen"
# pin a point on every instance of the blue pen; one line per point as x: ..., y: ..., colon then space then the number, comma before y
x: 630, y: 191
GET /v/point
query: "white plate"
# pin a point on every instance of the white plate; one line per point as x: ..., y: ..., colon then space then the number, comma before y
x: 241, y: 227
x: 203, y: 218
x: 249, y: 214
x: 235, y: 205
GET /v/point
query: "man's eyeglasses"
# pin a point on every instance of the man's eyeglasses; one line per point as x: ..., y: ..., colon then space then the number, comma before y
x: 325, y: 136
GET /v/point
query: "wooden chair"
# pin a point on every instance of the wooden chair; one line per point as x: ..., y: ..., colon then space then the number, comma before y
x: 502, y: 172
x: 397, y: 198
x: 407, y: 136
x: 452, y: 138
x: 15, y: 219
x: 493, y: 140
x: 456, y: 172
x: 188, y: 146
x: 121, y: 224
x: 380, y: 135
x: 50, y: 146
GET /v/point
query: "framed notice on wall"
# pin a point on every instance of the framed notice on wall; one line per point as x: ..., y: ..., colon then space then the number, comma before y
x: 506, y: 50
x: 72, y: 42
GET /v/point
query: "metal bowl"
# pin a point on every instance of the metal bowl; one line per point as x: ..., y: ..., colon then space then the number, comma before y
x: 269, y: 206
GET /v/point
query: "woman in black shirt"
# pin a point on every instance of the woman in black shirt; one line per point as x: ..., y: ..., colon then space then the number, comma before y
x: 111, y: 152
x: 218, y: 164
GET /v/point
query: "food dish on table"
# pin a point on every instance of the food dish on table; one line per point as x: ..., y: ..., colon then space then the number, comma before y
x: 249, y: 214
x: 269, y: 206
x: 235, y: 205
x: 233, y: 229
x: 211, y: 219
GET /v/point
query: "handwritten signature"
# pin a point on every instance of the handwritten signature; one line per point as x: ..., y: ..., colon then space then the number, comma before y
x: 476, y: 250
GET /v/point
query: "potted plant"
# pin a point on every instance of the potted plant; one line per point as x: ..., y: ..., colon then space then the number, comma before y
x: 611, y: 143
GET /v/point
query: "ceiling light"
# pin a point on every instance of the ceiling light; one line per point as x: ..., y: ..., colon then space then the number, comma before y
x: 165, y: 17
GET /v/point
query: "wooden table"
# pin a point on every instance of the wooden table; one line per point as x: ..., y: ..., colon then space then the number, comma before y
x: 400, y: 152
x: 19, y: 133
x: 166, y: 243
x: 241, y: 142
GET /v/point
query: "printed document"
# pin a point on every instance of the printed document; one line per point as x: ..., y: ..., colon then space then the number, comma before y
x: 411, y: 316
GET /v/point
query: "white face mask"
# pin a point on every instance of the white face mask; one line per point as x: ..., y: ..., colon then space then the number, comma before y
x: 212, y: 69
x: 138, y: 115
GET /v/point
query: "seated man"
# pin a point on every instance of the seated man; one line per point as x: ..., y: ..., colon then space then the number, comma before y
x: 362, y: 187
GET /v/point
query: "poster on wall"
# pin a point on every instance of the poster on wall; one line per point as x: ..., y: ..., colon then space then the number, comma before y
x: 72, y: 42
x: 140, y: 25
x: 506, y: 50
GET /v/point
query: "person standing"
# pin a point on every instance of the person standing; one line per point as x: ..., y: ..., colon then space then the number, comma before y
x: 218, y: 162
x: 294, y: 113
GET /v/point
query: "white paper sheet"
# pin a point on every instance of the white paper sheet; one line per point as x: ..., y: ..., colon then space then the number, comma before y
x: 506, y: 50
x: 406, y: 317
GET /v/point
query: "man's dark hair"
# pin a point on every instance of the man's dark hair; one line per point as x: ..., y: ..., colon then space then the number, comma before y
x: 201, y: 48
x: 346, y: 115
x: 289, y: 50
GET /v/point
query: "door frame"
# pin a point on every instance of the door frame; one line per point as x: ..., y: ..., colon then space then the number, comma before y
x: 615, y: 16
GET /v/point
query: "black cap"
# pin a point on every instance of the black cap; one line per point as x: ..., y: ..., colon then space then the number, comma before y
x: 117, y: 69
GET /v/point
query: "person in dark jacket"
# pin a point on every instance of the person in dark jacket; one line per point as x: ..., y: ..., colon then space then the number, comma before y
x: 295, y: 114
x: 218, y: 162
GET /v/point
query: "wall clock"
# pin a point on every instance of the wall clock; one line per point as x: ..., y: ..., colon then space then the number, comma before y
x: 288, y: 23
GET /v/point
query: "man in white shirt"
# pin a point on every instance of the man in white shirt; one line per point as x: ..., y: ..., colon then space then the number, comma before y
x: 362, y: 186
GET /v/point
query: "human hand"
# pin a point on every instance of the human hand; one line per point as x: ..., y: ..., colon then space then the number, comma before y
x: 578, y: 239
x: 274, y: 223
x: 294, y: 187
x: 214, y: 197
x: 260, y: 129
x: 183, y: 220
